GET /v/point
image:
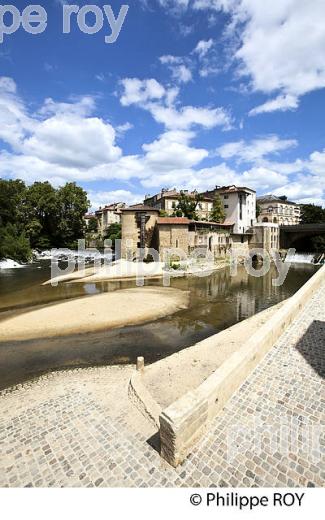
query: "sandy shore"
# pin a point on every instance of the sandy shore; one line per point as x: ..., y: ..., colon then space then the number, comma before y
x: 93, y: 313
x: 124, y: 270
x: 172, y: 377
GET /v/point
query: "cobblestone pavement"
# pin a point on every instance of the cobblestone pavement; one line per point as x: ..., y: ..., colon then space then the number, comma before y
x: 78, y: 428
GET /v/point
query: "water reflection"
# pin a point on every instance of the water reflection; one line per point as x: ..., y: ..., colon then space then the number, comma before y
x: 216, y: 302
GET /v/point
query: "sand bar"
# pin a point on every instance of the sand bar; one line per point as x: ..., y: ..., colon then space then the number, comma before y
x: 92, y: 313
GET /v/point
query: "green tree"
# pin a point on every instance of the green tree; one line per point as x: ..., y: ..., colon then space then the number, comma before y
x: 217, y: 213
x: 187, y: 205
x: 113, y: 232
x: 41, y: 214
x: 12, y: 199
x: 72, y: 205
x: 14, y: 244
x: 312, y: 214
x: 92, y: 225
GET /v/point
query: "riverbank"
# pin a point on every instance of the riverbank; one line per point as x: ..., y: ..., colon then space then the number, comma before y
x: 94, y: 313
x: 78, y: 429
x: 165, y: 379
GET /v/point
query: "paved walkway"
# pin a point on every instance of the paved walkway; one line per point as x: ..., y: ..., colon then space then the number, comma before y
x: 78, y: 428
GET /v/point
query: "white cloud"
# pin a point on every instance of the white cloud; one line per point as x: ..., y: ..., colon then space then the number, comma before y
x: 138, y: 91
x: 179, y: 68
x: 203, y: 47
x: 102, y: 198
x: 280, y: 103
x: 160, y: 102
x: 256, y: 149
x: 281, y: 46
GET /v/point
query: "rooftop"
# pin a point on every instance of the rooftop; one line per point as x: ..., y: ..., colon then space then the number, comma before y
x: 274, y: 198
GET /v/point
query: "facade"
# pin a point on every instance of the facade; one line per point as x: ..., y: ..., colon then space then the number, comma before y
x: 108, y: 215
x: 239, y: 204
x: 278, y: 211
x: 167, y: 201
x: 142, y: 227
x: 266, y: 236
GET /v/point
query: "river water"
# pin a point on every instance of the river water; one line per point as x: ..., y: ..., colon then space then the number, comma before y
x: 216, y: 302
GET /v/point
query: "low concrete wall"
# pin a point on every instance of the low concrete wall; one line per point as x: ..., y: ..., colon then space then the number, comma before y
x: 186, y: 420
x: 143, y: 400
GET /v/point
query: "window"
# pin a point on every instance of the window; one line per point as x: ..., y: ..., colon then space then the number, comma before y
x: 173, y: 205
x: 226, y: 206
x: 226, y: 197
x: 177, y: 243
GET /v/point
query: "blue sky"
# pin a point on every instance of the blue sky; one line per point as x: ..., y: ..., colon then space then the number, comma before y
x: 192, y: 94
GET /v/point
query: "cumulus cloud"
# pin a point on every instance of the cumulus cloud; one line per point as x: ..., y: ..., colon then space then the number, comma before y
x: 160, y: 102
x: 256, y: 149
x: 281, y: 46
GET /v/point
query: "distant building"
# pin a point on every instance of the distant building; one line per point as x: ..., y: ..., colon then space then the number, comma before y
x: 88, y: 217
x: 142, y: 227
x: 239, y: 205
x: 278, y: 210
x: 167, y: 201
x: 108, y: 215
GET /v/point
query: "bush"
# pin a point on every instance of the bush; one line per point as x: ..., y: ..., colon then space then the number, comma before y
x: 14, y: 245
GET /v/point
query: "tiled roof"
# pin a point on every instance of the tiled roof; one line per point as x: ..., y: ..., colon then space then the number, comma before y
x: 140, y: 207
x: 173, y: 220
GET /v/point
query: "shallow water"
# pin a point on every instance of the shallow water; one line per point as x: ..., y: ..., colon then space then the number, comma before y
x: 216, y: 302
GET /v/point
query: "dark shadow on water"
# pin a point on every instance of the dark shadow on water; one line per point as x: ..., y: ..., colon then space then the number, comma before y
x: 312, y: 347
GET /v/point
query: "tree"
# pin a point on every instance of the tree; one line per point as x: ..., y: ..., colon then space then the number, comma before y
x: 283, y: 197
x: 14, y: 244
x: 41, y: 214
x: 113, y: 232
x: 258, y: 210
x: 187, y: 205
x: 92, y: 225
x: 12, y: 197
x: 217, y: 213
x: 312, y: 214
x: 72, y: 205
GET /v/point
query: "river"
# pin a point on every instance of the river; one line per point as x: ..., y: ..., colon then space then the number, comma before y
x: 216, y: 302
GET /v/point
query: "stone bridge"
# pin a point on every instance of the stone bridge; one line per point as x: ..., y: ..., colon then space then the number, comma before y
x: 290, y: 234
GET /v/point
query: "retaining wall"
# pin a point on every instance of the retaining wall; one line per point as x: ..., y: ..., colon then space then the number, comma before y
x: 186, y: 420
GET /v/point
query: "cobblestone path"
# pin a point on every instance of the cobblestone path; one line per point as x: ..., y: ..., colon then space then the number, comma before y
x: 78, y: 428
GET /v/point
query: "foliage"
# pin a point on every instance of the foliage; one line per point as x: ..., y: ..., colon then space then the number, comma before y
x: 218, y: 213
x: 39, y: 216
x: 13, y: 244
x: 92, y: 225
x: 113, y: 232
x: 312, y: 214
x: 187, y: 205
x: 258, y: 210
x: 163, y: 213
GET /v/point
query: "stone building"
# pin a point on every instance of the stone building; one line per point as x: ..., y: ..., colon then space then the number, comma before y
x: 167, y: 201
x: 278, y: 210
x: 142, y: 227
x: 266, y: 236
x: 108, y: 215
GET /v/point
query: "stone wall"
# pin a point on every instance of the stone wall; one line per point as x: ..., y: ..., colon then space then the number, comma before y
x: 186, y: 420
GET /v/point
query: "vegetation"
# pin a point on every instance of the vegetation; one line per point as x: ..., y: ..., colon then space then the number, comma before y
x: 218, y: 213
x: 92, y: 225
x: 312, y: 214
x: 113, y: 232
x: 187, y: 205
x: 39, y: 216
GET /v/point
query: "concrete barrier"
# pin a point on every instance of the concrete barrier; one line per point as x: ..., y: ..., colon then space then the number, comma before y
x: 186, y: 420
x: 143, y: 400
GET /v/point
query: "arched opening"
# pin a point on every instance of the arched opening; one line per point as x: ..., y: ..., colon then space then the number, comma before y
x: 275, y: 220
x: 210, y: 244
x: 265, y: 219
